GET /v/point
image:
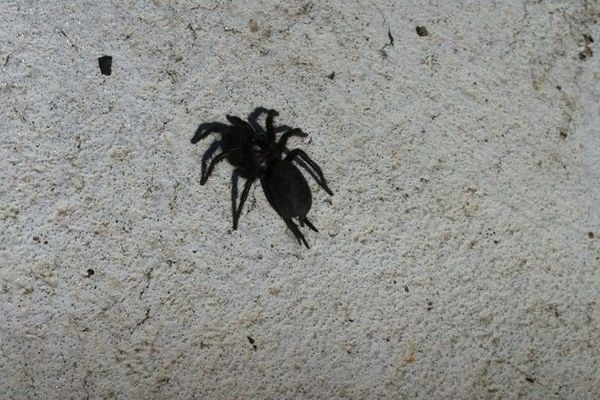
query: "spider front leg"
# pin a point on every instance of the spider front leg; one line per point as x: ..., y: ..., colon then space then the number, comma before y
x: 238, y: 122
x: 214, y: 162
x: 284, y: 138
x: 304, y: 157
x: 237, y: 213
x: 207, y: 128
x: 271, y: 114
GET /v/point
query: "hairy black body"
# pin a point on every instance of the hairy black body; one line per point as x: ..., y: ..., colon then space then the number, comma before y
x: 255, y: 153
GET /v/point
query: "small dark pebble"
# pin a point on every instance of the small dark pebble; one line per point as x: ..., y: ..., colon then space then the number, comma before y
x: 591, y: 235
x: 251, y: 340
x: 586, y: 53
x: 90, y: 272
x: 422, y: 31
x: 332, y: 75
x: 105, y: 63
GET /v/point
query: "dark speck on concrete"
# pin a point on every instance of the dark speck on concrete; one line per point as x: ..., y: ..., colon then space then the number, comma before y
x: 251, y: 340
x: 422, y: 31
x: 105, y: 63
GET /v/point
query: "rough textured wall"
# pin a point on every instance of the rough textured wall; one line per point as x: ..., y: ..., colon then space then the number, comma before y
x: 458, y: 258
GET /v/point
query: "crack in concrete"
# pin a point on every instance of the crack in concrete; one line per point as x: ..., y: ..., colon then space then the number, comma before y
x: 148, y: 278
x: 142, y: 322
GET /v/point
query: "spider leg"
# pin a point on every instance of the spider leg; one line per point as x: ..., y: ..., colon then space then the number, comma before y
x: 304, y: 157
x: 282, y: 128
x: 296, y: 232
x: 209, y: 153
x: 235, y: 177
x: 214, y: 162
x: 284, y: 138
x: 253, y: 118
x: 238, y: 212
x: 207, y: 128
x: 258, y: 111
x: 271, y: 114
x: 303, y: 165
x: 239, y: 122
x: 309, y: 224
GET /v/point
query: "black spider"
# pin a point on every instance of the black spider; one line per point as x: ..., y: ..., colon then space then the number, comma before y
x: 257, y: 154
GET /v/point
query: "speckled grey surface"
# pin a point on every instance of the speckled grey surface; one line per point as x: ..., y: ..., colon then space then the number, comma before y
x: 459, y: 257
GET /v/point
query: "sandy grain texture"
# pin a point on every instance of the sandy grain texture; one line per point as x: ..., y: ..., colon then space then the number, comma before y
x: 459, y: 257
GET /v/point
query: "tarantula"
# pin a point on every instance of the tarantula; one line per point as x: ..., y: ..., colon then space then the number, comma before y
x: 255, y: 153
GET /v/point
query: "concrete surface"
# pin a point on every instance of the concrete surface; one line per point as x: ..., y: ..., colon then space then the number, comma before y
x: 458, y: 259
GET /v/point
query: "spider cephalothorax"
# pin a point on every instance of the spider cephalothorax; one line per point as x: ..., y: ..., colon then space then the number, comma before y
x: 255, y: 153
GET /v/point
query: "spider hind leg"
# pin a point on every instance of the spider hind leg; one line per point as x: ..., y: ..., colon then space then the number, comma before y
x: 309, y: 224
x: 296, y: 232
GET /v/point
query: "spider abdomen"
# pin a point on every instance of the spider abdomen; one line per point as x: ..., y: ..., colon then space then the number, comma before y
x: 287, y: 190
